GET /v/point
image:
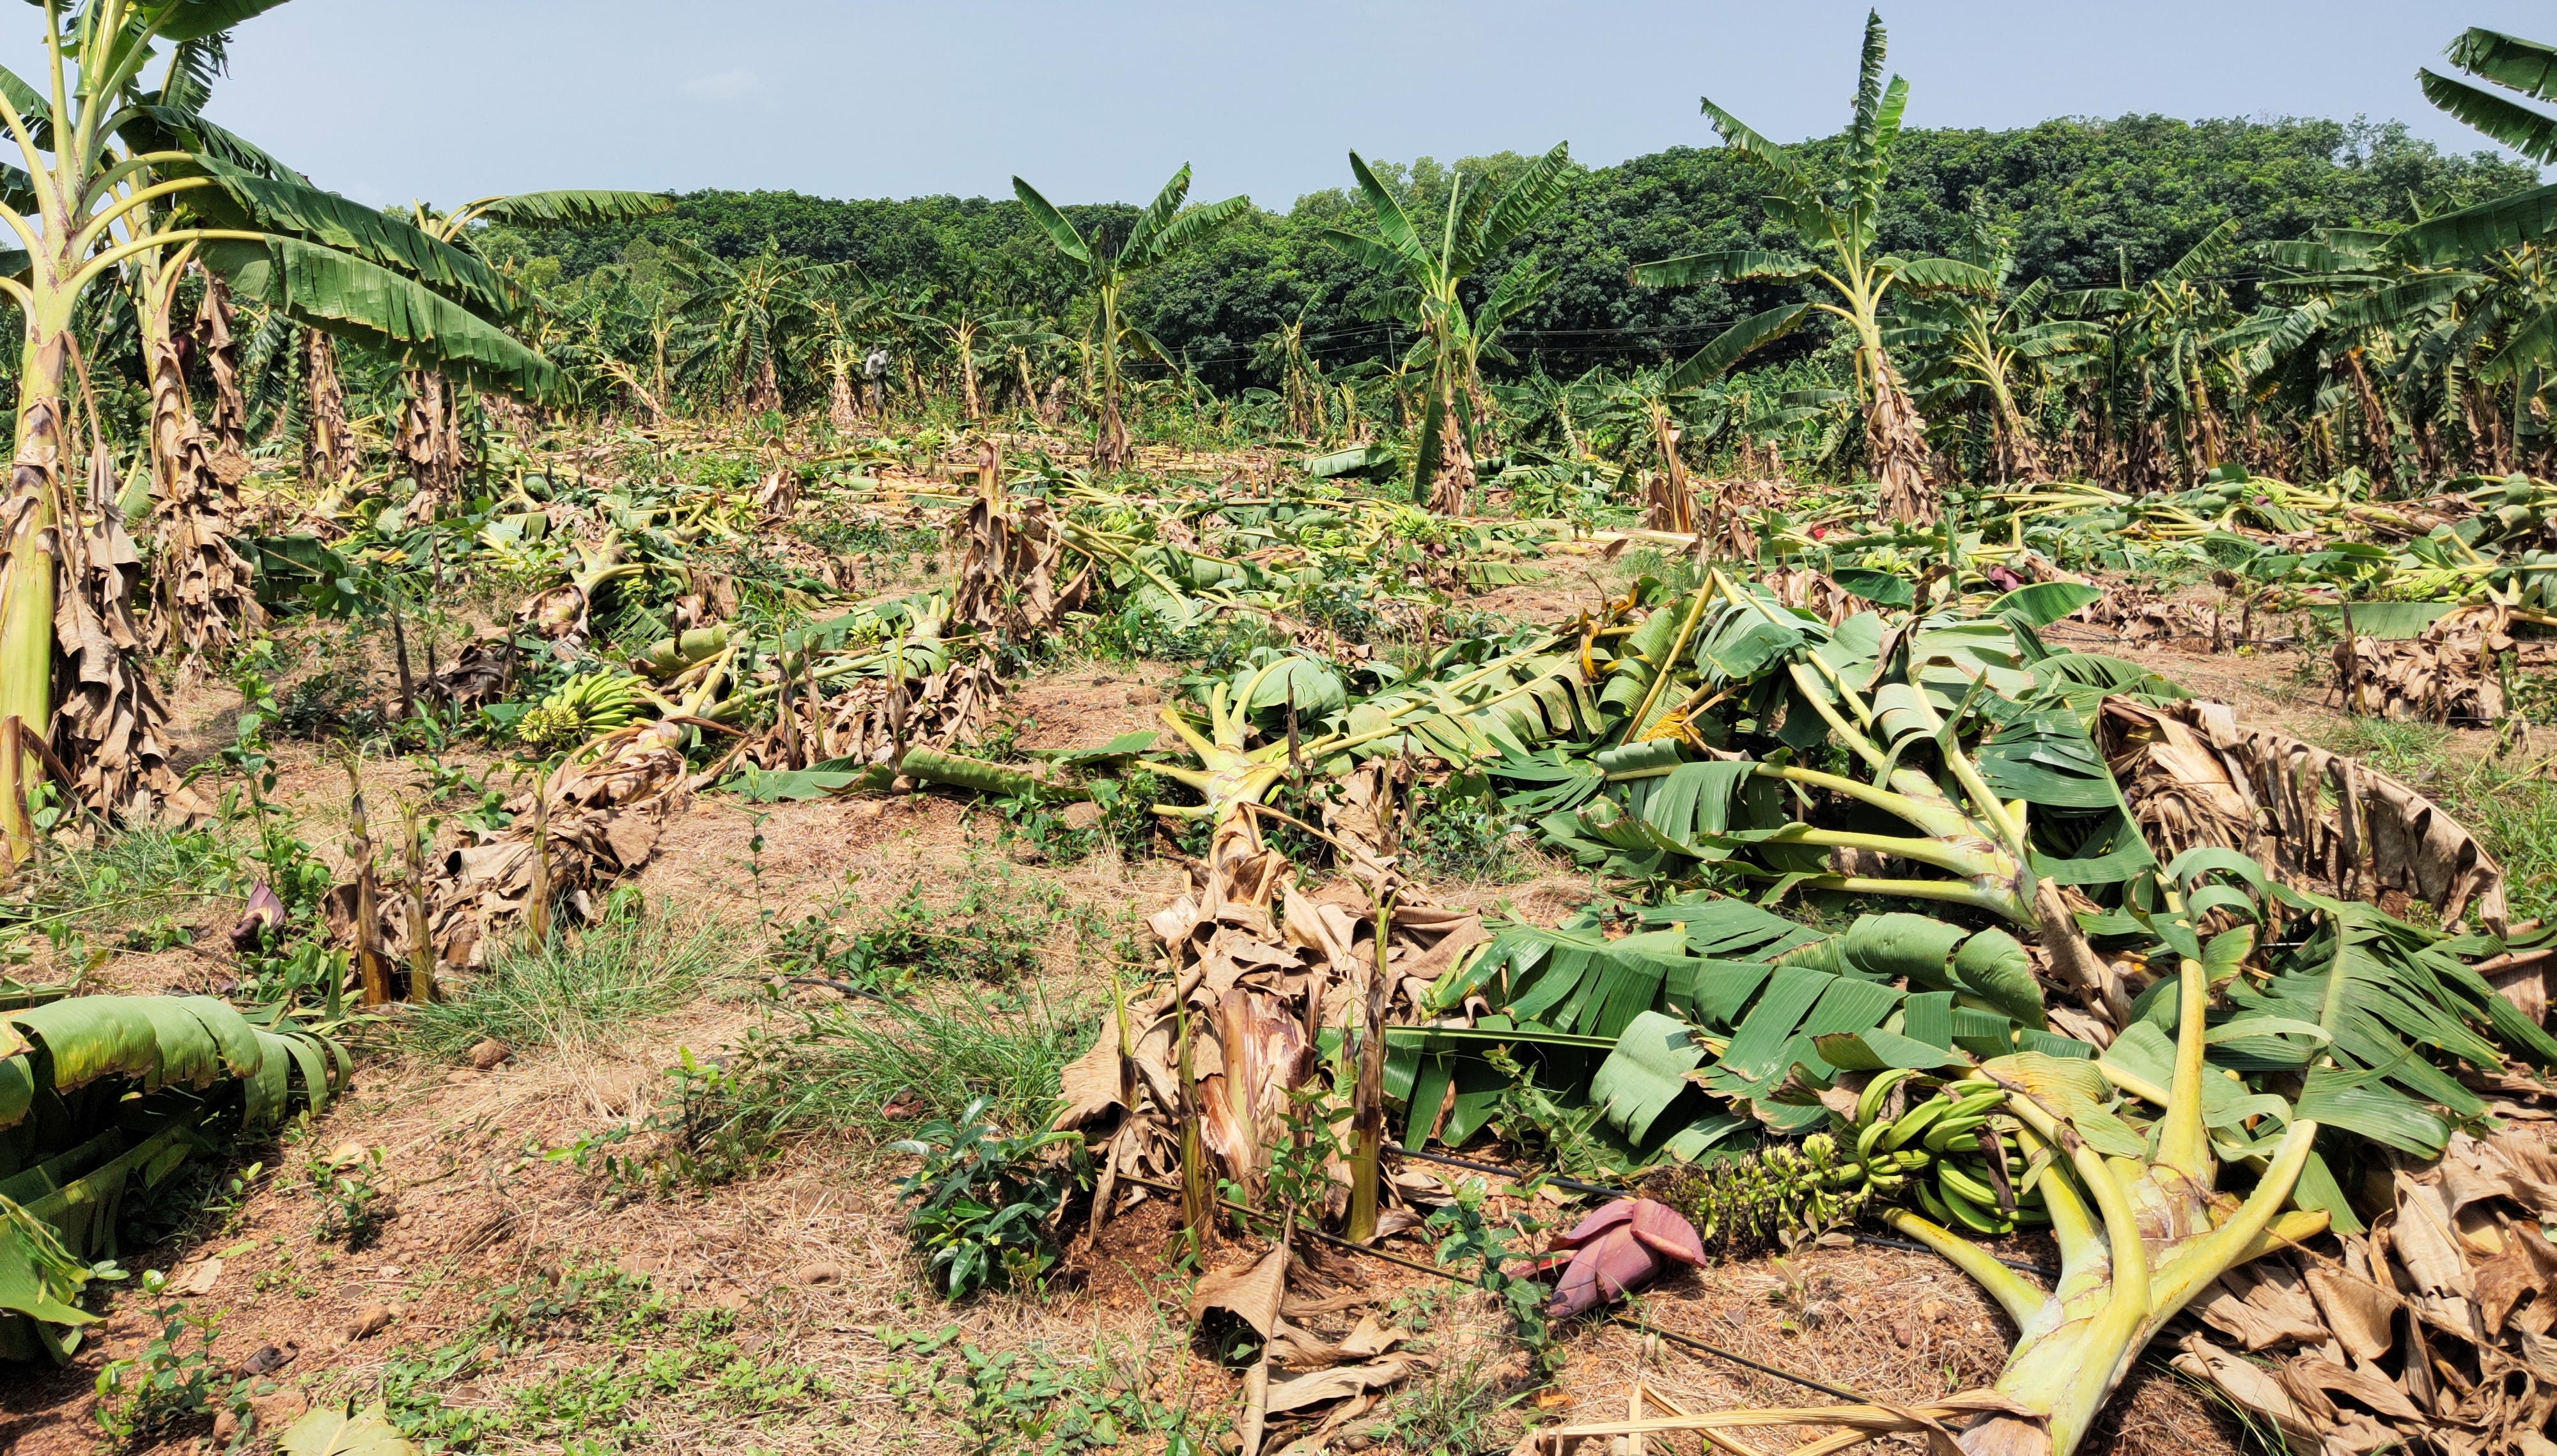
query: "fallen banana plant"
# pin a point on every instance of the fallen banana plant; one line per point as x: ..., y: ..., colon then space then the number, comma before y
x: 103, y: 1100
x: 2142, y: 1227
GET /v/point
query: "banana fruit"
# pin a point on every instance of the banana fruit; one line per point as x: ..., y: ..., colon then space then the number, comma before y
x: 579, y: 708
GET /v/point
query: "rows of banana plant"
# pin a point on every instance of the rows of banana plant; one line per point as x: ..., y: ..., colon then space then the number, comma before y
x: 2477, y: 538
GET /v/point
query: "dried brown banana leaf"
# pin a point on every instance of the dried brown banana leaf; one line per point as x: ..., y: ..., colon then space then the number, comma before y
x: 604, y: 813
x: 2446, y: 675
x: 2320, y: 821
x: 2465, y: 1258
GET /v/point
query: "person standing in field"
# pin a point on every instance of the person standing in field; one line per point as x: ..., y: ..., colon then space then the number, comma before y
x: 875, y: 375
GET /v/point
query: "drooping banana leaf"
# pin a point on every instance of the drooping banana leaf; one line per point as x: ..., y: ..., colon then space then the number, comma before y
x: 1761, y: 998
x: 103, y: 1099
x: 322, y: 287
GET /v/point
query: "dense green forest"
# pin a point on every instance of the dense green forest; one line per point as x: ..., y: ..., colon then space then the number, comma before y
x: 2083, y: 199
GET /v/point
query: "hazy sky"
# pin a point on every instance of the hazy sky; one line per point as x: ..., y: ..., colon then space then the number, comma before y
x: 392, y: 99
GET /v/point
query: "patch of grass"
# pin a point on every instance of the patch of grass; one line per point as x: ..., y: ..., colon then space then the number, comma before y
x: 1679, y: 573
x: 573, y: 990
x: 916, y: 942
x: 137, y: 888
x: 875, y: 1069
x: 1458, y: 1408
x: 643, y: 1352
x: 2512, y: 811
x: 879, y: 1071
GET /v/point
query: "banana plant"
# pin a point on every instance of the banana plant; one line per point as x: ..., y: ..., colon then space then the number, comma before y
x: 101, y: 1100
x: 1838, y: 225
x: 2167, y: 356
x: 1161, y: 231
x: 109, y: 183
x: 2142, y: 1227
x: 429, y: 430
x: 1900, y: 715
x: 2521, y: 67
x: 1982, y: 347
x: 1454, y: 339
x: 747, y: 316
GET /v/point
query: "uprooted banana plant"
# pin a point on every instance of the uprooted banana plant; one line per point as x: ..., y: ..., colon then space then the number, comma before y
x: 2142, y: 1224
x: 102, y: 1098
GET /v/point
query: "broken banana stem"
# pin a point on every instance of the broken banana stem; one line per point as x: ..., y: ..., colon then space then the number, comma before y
x: 996, y: 779
x: 2076, y: 1343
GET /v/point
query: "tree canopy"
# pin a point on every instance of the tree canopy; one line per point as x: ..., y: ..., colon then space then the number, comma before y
x: 2086, y: 200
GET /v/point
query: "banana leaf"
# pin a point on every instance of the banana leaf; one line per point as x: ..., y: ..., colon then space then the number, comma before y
x: 104, y: 1098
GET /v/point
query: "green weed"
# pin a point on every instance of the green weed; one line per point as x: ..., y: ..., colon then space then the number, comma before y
x: 174, y: 1379
x: 916, y: 942
x: 982, y: 1199
x: 332, y: 702
x: 346, y: 1194
x: 1037, y: 1405
x: 573, y: 990
x: 1464, y: 1234
x: 642, y: 1351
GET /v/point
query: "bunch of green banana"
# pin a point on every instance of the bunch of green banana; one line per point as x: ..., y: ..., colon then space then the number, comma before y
x: 1782, y: 1192
x: 586, y: 704
x: 1933, y: 1153
x: 1940, y: 1152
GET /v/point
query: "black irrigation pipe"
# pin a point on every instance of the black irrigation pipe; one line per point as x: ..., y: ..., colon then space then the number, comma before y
x: 1604, y: 1192
x: 1623, y: 1321
x: 1914, y: 1246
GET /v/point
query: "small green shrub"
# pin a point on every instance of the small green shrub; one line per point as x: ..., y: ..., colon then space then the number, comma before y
x: 332, y: 702
x: 175, y: 1377
x: 982, y: 1201
x: 1466, y: 836
x: 346, y: 1193
x: 1125, y: 820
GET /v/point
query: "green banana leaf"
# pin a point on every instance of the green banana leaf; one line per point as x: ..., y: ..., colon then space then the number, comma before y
x: 104, y: 1098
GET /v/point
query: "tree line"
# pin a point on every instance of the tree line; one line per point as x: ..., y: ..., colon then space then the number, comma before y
x: 2085, y: 199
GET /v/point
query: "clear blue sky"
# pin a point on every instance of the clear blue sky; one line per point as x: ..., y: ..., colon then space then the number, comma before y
x: 392, y: 99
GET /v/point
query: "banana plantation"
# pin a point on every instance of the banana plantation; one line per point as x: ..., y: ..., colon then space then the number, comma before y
x: 619, y: 838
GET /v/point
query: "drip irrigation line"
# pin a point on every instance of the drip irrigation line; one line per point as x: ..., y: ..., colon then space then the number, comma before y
x: 2018, y: 1265
x: 1627, y: 1321
x: 1624, y: 1321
